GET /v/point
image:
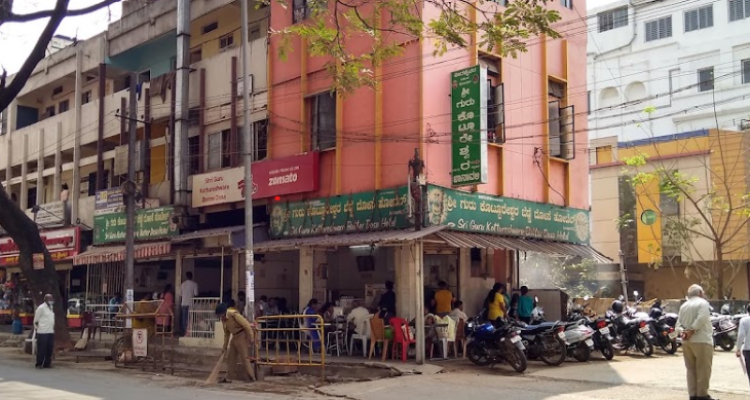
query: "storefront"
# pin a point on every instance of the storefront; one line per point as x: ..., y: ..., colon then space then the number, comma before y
x: 63, y: 245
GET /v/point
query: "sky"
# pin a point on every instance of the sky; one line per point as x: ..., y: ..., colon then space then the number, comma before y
x: 17, y: 40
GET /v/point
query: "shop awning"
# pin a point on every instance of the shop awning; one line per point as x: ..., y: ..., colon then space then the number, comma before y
x: 97, y: 255
x: 207, y: 233
x: 482, y: 241
x: 352, y: 239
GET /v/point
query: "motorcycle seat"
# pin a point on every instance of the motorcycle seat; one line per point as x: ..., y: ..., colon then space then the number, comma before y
x: 536, y: 329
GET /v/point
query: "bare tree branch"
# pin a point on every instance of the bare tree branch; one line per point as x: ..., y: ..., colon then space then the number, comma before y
x: 11, y: 17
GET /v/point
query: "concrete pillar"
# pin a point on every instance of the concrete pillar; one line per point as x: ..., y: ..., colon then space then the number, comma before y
x: 306, y: 278
x: 177, y: 291
x: 40, y: 169
x: 236, y: 273
x: 8, y: 163
x: 57, y: 188
x: 407, y: 279
x: 24, y: 195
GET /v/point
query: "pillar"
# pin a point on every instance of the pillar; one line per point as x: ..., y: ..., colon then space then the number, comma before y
x: 236, y: 273
x: 178, y: 292
x: 473, y: 289
x: 306, y: 259
x: 58, y: 163
x: 76, y: 194
x: 40, y: 169
x: 8, y: 163
x: 407, y: 280
x: 24, y: 195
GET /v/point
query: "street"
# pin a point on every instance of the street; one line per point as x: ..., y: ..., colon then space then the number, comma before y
x: 624, y: 378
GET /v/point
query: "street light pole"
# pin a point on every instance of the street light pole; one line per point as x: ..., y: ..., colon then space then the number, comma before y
x: 248, y: 134
x: 129, y: 195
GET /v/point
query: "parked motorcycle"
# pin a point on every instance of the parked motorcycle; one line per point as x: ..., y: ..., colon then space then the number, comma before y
x: 490, y: 344
x: 666, y: 335
x: 545, y: 341
x: 723, y: 327
x: 602, y: 341
x: 630, y: 332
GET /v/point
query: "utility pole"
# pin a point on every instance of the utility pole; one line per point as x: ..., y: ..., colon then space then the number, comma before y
x: 129, y: 194
x: 248, y: 134
x: 182, y: 110
x: 623, y: 277
x: 416, y: 165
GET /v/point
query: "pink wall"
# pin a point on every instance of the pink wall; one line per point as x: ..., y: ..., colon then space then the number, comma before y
x: 402, y: 121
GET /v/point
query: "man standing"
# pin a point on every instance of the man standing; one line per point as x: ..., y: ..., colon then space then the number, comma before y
x: 694, y: 323
x: 388, y: 301
x: 357, y: 317
x: 44, y: 323
x: 241, y: 332
x: 743, y: 339
x: 525, y: 305
x: 189, y: 291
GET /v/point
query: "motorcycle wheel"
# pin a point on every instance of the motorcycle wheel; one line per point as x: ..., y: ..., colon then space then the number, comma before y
x: 670, y: 347
x: 477, y: 355
x: 517, y: 360
x: 118, y: 348
x: 556, y: 355
x: 582, y: 352
x: 608, y: 351
x: 726, y: 343
x: 644, y: 345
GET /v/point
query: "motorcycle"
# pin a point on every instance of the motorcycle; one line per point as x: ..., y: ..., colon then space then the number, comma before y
x: 577, y: 336
x: 490, y: 344
x: 602, y: 341
x: 723, y: 326
x: 544, y: 340
x: 666, y: 335
x: 631, y: 333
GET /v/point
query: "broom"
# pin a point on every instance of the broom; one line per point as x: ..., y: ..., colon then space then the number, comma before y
x: 214, y: 377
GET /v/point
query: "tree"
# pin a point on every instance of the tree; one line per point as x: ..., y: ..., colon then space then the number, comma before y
x: 23, y: 230
x: 704, y: 216
x: 576, y: 277
x: 327, y: 34
x: 389, y: 23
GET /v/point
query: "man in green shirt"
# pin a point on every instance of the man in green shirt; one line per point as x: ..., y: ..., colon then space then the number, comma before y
x: 525, y: 305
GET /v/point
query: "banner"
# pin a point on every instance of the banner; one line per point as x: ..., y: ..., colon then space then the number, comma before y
x: 360, y: 212
x: 482, y: 213
x: 469, y: 126
x: 150, y: 224
x: 62, y: 244
x: 49, y: 215
x: 109, y: 201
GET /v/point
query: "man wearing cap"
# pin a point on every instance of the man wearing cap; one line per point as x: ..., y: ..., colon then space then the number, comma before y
x: 241, y: 335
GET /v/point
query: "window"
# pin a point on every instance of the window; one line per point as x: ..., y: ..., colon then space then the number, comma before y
x: 706, y: 79
x: 745, y: 67
x: 63, y: 106
x: 567, y: 3
x: 561, y: 131
x: 323, y: 121
x: 260, y: 147
x: 86, y: 97
x: 57, y: 90
x: 49, y: 112
x: 700, y: 18
x: 194, y: 154
x: 604, y: 154
x: 588, y: 102
x: 659, y: 29
x: 613, y: 19
x: 226, y: 41
x: 739, y: 9
x: 196, y: 55
x: 495, y: 113
x: 218, y: 154
x: 210, y: 27
x: 303, y: 9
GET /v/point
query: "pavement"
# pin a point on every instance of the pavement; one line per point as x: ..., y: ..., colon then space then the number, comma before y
x: 661, y: 377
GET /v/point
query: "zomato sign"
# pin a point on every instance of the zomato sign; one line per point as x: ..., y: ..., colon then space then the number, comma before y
x: 296, y: 174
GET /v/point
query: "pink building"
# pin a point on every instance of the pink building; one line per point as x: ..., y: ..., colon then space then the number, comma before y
x: 526, y: 150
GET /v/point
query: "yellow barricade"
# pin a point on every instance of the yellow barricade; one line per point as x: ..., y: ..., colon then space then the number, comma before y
x: 291, y: 341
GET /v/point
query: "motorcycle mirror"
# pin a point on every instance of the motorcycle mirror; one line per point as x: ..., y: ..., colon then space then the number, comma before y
x: 635, y: 293
x: 536, y: 299
x: 585, y: 298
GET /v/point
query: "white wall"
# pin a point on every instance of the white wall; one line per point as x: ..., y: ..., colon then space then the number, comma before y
x: 621, y: 58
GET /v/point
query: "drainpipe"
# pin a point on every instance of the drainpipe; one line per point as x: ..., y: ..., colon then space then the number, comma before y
x: 74, y: 216
x: 182, y: 108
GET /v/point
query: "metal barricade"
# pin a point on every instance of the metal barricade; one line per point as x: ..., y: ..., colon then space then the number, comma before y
x: 150, y: 342
x: 202, y: 317
x: 290, y: 340
x: 104, y: 317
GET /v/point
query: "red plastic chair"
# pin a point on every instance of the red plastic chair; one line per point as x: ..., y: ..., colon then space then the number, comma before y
x: 401, y: 336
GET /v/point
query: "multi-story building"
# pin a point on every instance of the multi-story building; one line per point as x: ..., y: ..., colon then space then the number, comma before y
x: 459, y: 163
x: 690, y: 61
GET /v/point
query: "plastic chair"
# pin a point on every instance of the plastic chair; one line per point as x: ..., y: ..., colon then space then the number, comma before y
x: 377, y: 336
x: 445, y: 334
x: 460, y: 338
x: 401, y: 336
x: 363, y: 337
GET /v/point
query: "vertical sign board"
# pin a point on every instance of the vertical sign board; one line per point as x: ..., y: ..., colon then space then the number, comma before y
x: 140, y: 342
x: 469, y: 126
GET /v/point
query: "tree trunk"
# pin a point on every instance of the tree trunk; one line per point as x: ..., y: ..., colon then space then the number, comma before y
x: 720, y: 271
x: 25, y: 234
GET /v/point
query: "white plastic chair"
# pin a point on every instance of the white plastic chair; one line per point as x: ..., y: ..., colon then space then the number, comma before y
x: 33, y: 343
x: 364, y: 338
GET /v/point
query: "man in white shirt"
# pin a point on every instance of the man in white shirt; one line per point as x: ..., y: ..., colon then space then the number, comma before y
x: 743, y: 338
x: 458, y: 312
x: 694, y: 323
x: 357, y: 317
x: 189, y: 290
x: 44, y: 323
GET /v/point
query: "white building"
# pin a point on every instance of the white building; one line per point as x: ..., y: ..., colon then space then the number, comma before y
x: 686, y: 58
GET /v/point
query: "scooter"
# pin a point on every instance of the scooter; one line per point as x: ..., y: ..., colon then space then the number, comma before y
x: 601, y: 334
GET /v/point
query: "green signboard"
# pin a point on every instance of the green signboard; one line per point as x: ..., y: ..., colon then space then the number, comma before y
x: 151, y: 223
x: 360, y: 212
x: 469, y: 126
x: 481, y: 213
x: 648, y: 217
